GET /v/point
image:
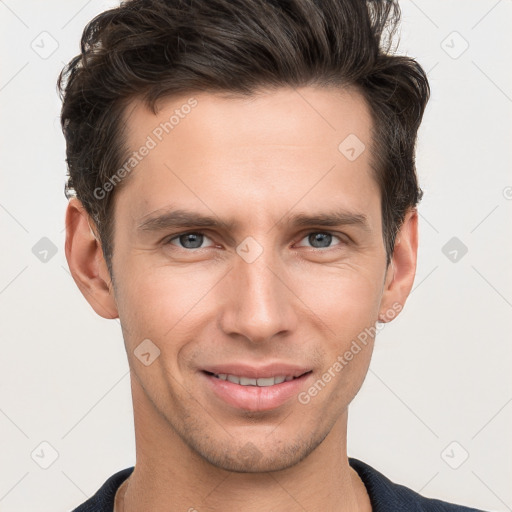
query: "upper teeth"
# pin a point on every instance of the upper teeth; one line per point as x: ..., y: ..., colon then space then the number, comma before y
x: 246, y: 381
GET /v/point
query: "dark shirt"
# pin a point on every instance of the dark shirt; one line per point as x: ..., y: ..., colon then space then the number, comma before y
x: 385, y: 496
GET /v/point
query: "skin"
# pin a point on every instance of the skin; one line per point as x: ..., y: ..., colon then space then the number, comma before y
x: 255, y: 161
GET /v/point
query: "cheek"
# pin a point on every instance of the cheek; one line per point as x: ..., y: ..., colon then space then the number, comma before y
x: 348, y: 305
x: 156, y: 303
x: 345, y: 298
x: 344, y: 304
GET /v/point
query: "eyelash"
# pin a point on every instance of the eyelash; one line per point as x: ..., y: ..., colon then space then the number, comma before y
x: 306, y: 235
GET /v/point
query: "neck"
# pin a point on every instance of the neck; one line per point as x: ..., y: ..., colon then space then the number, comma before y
x: 170, y: 476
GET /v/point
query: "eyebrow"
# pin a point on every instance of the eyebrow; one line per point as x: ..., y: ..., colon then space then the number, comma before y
x: 181, y: 218
x: 335, y: 218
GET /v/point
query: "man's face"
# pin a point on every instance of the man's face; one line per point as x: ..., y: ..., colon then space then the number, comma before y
x: 263, y: 285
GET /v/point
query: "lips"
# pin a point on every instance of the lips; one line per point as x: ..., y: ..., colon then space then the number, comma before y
x: 258, y: 372
x: 255, y: 389
x: 248, y: 381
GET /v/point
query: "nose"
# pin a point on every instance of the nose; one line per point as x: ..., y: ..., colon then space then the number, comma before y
x: 259, y: 303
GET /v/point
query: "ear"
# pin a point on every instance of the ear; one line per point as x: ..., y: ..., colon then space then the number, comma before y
x: 401, y: 270
x: 86, y: 261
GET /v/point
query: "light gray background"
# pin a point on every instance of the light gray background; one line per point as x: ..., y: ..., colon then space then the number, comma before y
x: 439, y: 387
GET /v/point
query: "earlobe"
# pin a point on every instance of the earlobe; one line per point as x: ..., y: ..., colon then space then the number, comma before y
x: 402, y: 269
x: 86, y: 261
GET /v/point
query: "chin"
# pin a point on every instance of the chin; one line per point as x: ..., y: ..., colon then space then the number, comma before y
x: 249, y: 458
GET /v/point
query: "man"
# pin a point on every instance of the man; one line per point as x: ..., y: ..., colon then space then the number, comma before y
x: 243, y: 198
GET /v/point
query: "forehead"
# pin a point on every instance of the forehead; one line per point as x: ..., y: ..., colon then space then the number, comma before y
x: 280, y: 116
x: 271, y: 147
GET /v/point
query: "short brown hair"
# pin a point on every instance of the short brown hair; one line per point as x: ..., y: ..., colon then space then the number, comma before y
x: 149, y: 49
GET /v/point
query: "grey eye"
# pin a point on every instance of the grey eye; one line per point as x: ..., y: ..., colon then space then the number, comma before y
x: 318, y: 240
x: 321, y: 240
x: 189, y: 240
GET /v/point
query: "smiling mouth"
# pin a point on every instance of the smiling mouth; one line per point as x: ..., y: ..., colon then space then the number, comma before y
x: 257, y: 382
